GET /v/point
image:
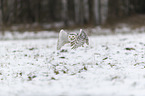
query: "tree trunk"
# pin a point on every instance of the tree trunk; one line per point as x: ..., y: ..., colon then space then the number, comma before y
x: 1, y: 22
x: 64, y: 12
x: 97, y: 13
x: 104, y: 11
x: 77, y: 10
x: 86, y: 11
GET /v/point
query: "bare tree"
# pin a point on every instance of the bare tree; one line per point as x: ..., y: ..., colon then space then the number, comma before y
x: 79, y: 12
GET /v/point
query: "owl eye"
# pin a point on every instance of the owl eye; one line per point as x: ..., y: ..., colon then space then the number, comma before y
x: 73, y: 36
x: 69, y: 36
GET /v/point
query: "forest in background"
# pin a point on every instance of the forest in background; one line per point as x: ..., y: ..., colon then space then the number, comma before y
x: 66, y: 13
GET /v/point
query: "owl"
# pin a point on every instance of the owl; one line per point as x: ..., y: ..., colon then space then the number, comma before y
x: 75, y: 39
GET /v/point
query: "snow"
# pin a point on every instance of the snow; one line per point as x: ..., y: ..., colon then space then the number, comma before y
x: 27, y: 35
x: 111, y: 65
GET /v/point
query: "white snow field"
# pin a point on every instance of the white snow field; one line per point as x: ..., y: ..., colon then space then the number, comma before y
x: 112, y: 65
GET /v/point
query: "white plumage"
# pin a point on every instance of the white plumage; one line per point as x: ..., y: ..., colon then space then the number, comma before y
x: 75, y: 39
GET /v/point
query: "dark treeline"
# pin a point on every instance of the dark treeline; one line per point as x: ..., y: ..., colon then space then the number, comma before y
x: 77, y: 12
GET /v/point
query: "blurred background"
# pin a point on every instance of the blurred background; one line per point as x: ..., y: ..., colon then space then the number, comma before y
x: 35, y: 15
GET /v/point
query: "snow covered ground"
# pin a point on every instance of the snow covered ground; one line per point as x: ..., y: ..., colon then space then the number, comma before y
x: 112, y: 65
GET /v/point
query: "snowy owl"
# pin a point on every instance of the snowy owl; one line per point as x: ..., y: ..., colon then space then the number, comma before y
x: 75, y: 39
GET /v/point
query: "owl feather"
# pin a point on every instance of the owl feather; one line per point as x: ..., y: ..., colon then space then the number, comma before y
x: 62, y: 39
x: 75, y: 39
x: 81, y: 39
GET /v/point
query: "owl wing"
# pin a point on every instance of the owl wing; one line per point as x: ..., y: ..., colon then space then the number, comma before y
x: 83, y: 37
x: 62, y: 39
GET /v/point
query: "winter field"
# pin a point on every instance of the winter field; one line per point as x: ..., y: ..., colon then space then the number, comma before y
x: 112, y: 65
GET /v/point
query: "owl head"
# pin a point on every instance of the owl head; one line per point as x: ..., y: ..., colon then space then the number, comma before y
x: 72, y: 37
